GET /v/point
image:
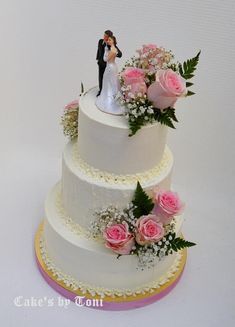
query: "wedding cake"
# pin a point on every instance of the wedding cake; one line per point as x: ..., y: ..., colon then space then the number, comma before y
x: 111, y: 237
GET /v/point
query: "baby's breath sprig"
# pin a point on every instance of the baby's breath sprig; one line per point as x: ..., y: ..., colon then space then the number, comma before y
x: 150, y: 254
x: 69, y: 121
x: 110, y: 215
x: 139, y: 111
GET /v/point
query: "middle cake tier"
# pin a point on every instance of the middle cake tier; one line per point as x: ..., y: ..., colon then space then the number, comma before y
x: 86, y: 189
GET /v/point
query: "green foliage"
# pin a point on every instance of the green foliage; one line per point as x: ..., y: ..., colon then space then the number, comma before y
x: 173, y: 66
x: 136, y: 124
x: 188, y: 84
x: 186, y: 71
x: 189, y: 66
x: 144, y: 205
x: 189, y: 93
x: 82, y: 88
x: 151, y: 79
x: 178, y: 243
x: 166, y: 116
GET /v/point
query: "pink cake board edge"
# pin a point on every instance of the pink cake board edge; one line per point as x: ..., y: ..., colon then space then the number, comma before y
x: 112, y: 306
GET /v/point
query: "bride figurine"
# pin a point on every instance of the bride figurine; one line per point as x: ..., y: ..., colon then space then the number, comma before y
x: 107, y: 100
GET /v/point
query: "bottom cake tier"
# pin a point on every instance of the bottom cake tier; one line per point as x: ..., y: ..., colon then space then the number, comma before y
x: 78, y: 266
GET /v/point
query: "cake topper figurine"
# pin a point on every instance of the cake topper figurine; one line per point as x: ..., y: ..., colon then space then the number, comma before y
x: 108, y: 74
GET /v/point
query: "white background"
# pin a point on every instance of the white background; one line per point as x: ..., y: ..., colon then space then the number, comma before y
x: 46, y: 49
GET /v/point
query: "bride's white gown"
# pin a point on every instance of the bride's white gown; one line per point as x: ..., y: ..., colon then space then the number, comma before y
x: 107, y: 101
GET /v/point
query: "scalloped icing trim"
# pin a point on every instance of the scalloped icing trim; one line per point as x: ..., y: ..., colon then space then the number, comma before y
x: 74, y: 284
x: 128, y: 179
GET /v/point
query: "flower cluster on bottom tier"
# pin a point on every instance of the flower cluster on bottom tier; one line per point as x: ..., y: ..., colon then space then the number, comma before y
x: 93, y: 290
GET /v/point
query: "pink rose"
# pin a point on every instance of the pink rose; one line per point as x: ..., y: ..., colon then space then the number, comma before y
x: 118, y: 238
x: 133, y: 75
x: 72, y: 105
x: 167, y: 204
x: 167, y: 88
x: 149, y: 229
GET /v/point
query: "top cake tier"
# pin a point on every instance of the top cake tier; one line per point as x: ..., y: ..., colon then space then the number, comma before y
x: 103, y: 140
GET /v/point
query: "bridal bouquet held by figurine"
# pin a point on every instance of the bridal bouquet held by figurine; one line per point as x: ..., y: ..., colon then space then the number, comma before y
x: 109, y: 85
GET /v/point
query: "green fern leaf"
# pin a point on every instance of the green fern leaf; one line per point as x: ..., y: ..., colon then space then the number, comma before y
x: 135, y: 125
x: 179, y: 243
x: 165, y: 116
x: 188, y: 84
x: 172, y: 115
x: 143, y: 203
x: 189, y: 66
x: 189, y: 93
x: 166, y: 120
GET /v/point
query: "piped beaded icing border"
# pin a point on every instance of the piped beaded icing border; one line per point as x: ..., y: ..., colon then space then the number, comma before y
x: 75, y: 285
x: 128, y: 179
x: 68, y: 222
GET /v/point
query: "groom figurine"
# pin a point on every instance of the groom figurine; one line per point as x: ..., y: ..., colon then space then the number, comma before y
x: 102, y: 44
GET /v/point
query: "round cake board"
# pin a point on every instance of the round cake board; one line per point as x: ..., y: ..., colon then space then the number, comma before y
x: 107, y: 303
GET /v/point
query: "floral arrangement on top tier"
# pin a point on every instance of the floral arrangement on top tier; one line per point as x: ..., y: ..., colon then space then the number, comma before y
x: 69, y: 119
x: 151, y: 83
x: 146, y: 227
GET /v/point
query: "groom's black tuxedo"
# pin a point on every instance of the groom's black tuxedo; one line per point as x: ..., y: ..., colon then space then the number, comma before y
x: 100, y: 60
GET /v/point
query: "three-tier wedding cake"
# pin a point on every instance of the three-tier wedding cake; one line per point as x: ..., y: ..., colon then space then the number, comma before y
x: 112, y: 227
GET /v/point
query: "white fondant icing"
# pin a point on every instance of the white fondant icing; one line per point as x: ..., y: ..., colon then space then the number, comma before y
x: 83, y: 192
x: 104, y: 142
